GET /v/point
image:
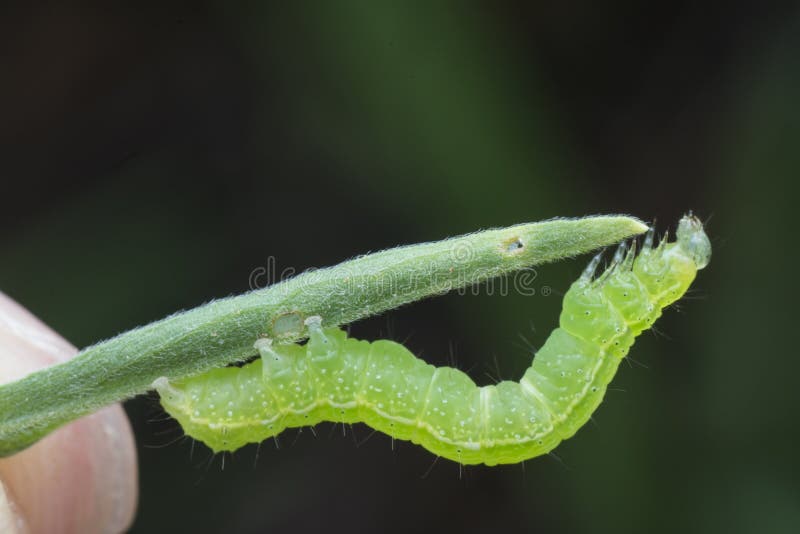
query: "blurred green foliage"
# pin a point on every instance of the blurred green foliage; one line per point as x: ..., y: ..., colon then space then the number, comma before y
x: 175, y: 150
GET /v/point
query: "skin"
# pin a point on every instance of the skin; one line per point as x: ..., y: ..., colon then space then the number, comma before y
x: 82, y: 478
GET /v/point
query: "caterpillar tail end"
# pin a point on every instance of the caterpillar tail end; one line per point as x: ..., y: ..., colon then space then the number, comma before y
x: 693, y: 240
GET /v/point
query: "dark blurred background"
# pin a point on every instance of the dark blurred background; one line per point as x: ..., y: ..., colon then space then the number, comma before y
x: 151, y: 158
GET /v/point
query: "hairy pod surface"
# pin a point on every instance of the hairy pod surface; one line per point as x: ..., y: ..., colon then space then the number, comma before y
x: 340, y: 379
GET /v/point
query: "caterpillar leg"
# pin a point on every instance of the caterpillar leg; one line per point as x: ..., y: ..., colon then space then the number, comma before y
x: 227, y: 409
x: 336, y: 378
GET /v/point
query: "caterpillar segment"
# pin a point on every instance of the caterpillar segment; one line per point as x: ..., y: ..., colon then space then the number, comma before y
x: 336, y: 378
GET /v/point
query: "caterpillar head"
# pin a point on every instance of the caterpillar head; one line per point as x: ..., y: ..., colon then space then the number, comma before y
x: 693, y: 240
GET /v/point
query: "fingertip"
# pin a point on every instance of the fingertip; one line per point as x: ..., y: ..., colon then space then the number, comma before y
x: 82, y: 477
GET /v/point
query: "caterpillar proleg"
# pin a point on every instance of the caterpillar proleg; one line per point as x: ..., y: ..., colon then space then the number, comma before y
x: 337, y: 378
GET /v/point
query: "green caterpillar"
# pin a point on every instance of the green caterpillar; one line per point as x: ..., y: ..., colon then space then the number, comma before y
x: 340, y: 379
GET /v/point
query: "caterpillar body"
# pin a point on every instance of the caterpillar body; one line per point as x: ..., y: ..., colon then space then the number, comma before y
x: 336, y: 378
